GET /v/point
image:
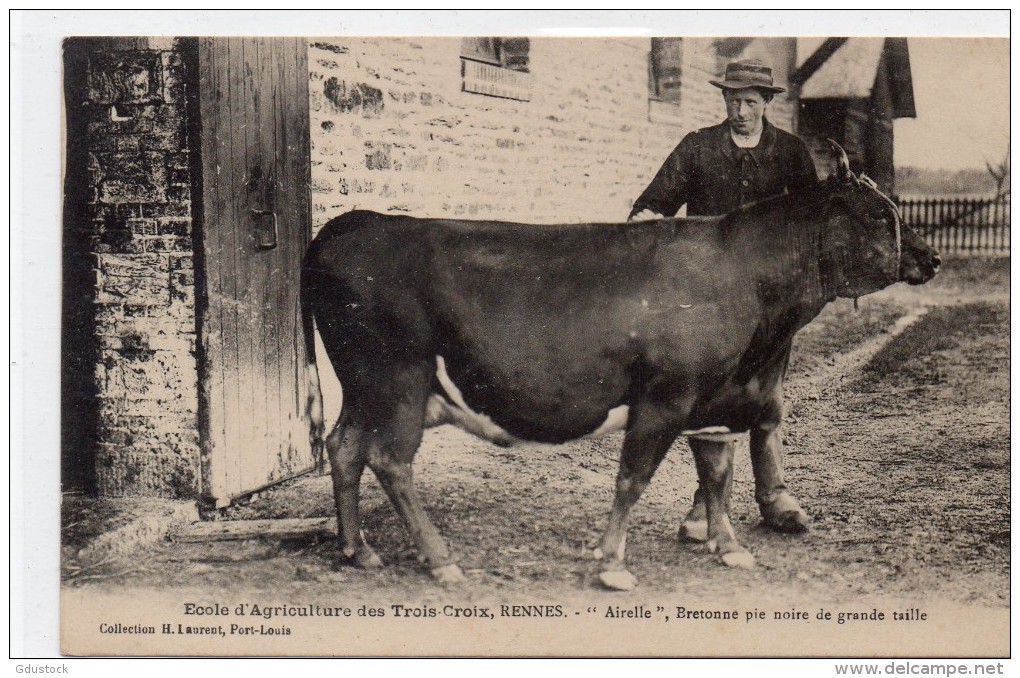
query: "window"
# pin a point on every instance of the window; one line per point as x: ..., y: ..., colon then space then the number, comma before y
x: 509, y: 53
x: 496, y: 67
x: 665, y: 68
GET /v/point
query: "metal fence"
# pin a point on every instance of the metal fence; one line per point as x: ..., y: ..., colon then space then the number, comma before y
x: 960, y: 225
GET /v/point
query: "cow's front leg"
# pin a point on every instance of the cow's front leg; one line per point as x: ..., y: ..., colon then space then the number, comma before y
x: 714, y: 461
x: 643, y: 450
x: 779, y: 509
x: 694, y: 526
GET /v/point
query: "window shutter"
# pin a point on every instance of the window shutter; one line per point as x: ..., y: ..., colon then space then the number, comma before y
x: 667, y: 65
x: 481, y: 49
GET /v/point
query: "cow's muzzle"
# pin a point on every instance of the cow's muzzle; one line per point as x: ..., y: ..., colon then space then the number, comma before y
x: 918, y: 270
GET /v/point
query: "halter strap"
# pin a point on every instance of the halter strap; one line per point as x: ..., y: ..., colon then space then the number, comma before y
x: 870, y: 183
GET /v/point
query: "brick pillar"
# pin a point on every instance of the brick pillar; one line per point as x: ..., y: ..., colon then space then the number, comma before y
x: 130, y: 395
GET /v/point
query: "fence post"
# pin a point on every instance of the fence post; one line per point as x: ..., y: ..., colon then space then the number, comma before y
x: 925, y: 209
x: 968, y: 225
x: 940, y: 217
x: 997, y: 237
x: 980, y: 224
x: 966, y: 232
x: 975, y: 224
x: 955, y: 219
x: 938, y: 236
x: 998, y: 219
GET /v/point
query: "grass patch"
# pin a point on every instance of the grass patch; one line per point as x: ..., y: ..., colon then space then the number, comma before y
x: 840, y: 329
x: 913, y: 357
x: 84, y: 518
x: 978, y: 275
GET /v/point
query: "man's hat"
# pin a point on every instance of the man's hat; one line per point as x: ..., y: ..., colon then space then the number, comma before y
x: 748, y: 73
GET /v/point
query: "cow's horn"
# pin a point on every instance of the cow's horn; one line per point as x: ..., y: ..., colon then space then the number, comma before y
x: 842, y: 162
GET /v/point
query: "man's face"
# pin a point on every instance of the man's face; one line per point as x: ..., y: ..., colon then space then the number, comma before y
x: 744, y: 109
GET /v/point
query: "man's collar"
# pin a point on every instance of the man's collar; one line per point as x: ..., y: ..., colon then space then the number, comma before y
x: 747, y: 140
x: 765, y: 145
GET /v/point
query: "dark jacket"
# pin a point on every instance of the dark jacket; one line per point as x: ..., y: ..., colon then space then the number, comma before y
x: 714, y: 176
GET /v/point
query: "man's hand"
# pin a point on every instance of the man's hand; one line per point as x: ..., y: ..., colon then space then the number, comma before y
x: 646, y: 215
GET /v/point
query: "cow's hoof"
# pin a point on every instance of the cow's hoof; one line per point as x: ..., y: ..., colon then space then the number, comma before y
x: 448, y: 574
x: 365, y: 558
x: 693, y: 530
x: 785, y: 515
x: 732, y: 554
x: 618, y: 580
x: 742, y: 559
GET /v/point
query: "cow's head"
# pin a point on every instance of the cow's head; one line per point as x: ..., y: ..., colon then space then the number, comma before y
x: 867, y: 241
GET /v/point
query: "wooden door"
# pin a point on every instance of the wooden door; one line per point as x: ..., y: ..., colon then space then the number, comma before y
x: 256, y: 223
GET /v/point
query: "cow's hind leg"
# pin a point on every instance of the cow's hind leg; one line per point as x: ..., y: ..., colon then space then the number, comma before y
x: 397, y: 479
x: 394, y: 443
x: 347, y: 447
x: 714, y: 461
x: 643, y: 450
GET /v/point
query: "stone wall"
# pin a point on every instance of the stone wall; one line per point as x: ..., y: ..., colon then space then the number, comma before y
x: 129, y: 220
x: 393, y: 132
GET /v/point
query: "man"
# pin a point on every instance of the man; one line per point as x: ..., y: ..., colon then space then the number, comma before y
x: 716, y: 170
x: 743, y: 159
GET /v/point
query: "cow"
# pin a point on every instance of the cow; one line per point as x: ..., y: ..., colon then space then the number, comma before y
x: 550, y: 333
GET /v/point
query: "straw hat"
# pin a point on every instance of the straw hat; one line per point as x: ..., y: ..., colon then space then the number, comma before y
x: 748, y: 73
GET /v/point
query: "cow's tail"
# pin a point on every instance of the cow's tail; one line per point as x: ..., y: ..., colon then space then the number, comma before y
x: 313, y: 404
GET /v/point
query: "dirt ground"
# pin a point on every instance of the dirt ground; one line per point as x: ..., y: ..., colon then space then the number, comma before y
x: 897, y: 444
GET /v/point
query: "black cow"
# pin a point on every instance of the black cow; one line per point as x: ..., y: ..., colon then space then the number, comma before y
x: 541, y: 332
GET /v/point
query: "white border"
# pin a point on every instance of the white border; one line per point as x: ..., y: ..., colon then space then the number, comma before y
x: 35, y: 161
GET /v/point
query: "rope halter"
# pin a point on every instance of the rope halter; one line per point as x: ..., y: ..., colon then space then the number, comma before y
x: 870, y: 183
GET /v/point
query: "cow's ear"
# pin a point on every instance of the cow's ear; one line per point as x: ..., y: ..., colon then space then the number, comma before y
x: 843, y: 172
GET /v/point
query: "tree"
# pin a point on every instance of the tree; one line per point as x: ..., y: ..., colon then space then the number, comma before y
x: 999, y: 172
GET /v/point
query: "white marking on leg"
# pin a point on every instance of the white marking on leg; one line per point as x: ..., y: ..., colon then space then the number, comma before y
x: 695, y: 530
x: 728, y: 528
x: 705, y: 429
x: 728, y: 535
x: 742, y: 559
